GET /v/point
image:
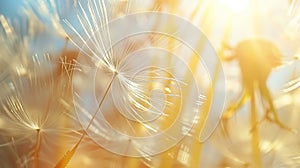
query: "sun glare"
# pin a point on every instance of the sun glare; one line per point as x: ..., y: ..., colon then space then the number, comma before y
x: 235, y: 5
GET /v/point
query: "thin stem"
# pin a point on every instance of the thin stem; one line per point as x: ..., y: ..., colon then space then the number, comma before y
x: 70, y: 153
x: 37, y: 148
x: 255, y: 137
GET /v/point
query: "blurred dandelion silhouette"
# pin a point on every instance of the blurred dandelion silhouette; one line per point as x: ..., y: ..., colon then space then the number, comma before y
x: 259, y: 63
x: 264, y: 56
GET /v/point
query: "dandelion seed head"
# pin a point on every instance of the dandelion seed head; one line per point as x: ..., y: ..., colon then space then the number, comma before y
x: 26, y: 116
x: 131, y: 86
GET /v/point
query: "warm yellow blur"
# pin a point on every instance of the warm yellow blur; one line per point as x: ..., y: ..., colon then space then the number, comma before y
x: 236, y: 5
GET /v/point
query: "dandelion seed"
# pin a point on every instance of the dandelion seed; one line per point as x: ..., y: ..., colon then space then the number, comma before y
x: 36, y: 119
x: 139, y: 81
